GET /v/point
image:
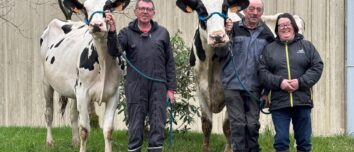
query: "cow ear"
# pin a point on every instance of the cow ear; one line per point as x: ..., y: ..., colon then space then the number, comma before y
x: 238, y: 5
x: 187, y: 5
x: 120, y: 5
x: 73, y: 5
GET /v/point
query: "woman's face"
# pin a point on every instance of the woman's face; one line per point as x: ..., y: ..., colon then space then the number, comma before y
x: 285, y: 30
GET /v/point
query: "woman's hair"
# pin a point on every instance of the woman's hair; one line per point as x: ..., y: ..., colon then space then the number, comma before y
x: 292, y: 21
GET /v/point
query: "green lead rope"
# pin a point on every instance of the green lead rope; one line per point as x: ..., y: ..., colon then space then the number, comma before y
x: 168, y: 103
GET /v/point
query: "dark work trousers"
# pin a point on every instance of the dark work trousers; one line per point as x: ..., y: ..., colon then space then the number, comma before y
x: 145, y: 97
x: 244, y: 120
x: 301, y: 119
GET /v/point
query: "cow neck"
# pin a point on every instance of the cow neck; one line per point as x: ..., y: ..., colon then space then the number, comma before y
x: 108, y: 67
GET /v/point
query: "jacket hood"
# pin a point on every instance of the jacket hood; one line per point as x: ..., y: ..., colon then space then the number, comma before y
x: 133, y: 25
x: 297, y: 37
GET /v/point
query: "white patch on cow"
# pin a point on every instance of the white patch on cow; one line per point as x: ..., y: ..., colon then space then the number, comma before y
x: 215, y: 24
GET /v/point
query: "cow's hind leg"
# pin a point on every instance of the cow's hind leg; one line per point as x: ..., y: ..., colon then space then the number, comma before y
x: 206, y: 127
x: 227, y: 133
x: 109, y: 114
x: 48, y: 95
x: 74, y: 118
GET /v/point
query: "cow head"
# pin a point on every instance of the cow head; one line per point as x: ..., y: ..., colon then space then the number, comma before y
x: 94, y: 11
x: 212, y: 15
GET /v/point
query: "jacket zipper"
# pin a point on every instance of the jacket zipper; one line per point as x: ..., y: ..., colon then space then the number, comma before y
x: 289, y: 74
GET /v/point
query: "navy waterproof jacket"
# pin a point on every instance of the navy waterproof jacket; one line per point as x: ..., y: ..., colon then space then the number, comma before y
x: 246, y: 46
x: 297, y: 59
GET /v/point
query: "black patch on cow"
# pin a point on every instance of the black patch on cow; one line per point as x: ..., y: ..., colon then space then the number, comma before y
x: 86, y: 61
x: 81, y: 26
x: 67, y: 28
x: 198, y: 46
x: 40, y: 42
x: 52, y: 60
x: 51, y: 46
x: 56, y: 45
x: 46, y: 58
x: 192, y: 58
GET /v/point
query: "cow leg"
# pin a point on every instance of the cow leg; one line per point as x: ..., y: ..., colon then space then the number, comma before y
x: 109, y: 114
x: 74, y: 118
x: 84, y: 120
x: 227, y: 132
x: 206, y: 127
x: 48, y: 95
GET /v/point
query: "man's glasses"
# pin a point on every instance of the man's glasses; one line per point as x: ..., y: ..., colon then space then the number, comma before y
x: 143, y: 9
x: 283, y: 26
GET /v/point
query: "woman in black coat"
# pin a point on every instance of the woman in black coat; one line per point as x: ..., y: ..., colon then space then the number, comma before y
x: 289, y: 67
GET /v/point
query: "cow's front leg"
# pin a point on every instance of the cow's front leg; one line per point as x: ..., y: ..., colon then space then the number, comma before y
x: 48, y: 94
x: 109, y: 114
x: 84, y: 120
x: 206, y: 127
x: 74, y: 118
x: 227, y: 133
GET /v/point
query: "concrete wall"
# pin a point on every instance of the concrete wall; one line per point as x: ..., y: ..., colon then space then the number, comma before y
x: 21, y: 99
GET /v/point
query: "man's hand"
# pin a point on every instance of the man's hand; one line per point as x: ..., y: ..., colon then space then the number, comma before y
x: 228, y: 25
x: 110, y: 21
x: 170, y: 94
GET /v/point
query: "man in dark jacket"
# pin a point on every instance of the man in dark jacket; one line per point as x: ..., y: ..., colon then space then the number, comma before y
x: 147, y: 47
x: 239, y: 75
x: 289, y: 67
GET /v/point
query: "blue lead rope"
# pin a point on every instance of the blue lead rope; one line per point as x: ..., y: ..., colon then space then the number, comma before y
x: 168, y: 103
x: 88, y: 21
x: 204, y: 19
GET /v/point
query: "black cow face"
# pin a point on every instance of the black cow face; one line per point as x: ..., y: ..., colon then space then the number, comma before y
x: 92, y: 6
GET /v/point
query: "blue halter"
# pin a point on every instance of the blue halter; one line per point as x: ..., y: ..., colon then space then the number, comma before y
x: 87, y: 21
x: 204, y: 19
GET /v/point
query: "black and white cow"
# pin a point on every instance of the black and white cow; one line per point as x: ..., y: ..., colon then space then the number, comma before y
x: 210, y: 36
x: 77, y: 65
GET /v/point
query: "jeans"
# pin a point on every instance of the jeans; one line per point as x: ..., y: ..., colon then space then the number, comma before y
x: 301, y: 120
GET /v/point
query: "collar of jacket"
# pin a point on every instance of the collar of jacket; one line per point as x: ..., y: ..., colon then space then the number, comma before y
x: 297, y: 37
x: 133, y: 25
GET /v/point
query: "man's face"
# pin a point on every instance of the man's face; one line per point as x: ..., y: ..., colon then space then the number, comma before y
x: 144, y: 12
x: 254, y: 11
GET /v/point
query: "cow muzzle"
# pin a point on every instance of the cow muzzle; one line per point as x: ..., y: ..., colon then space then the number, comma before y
x: 96, y: 28
x: 218, y: 38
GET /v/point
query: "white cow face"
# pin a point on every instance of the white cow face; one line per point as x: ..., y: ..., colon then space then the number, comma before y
x: 212, y: 15
x: 94, y: 12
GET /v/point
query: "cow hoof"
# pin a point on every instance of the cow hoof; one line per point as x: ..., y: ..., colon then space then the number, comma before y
x: 205, y: 148
x: 75, y: 142
x: 49, y: 143
x: 227, y: 148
